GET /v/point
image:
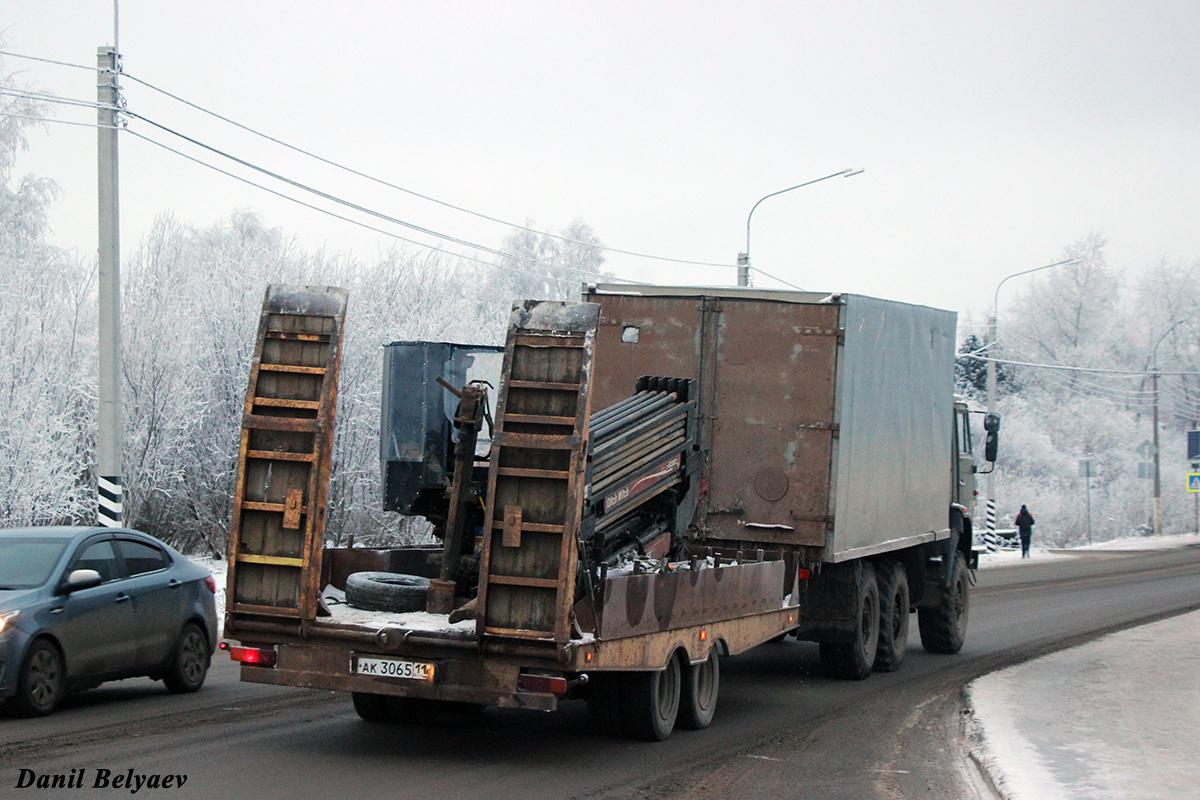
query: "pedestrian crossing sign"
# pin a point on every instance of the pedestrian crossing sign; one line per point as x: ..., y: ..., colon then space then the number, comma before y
x: 1194, y: 482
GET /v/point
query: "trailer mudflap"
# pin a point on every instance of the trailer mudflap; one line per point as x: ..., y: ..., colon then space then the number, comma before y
x: 284, y: 455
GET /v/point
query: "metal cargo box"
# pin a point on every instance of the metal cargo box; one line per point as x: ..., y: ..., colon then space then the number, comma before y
x: 826, y: 419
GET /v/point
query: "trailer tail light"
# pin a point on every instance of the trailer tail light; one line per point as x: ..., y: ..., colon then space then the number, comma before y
x: 542, y: 683
x: 250, y: 655
x: 211, y: 584
x: 703, y: 635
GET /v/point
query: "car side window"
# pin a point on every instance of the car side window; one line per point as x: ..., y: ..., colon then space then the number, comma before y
x: 101, y: 557
x: 141, y: 558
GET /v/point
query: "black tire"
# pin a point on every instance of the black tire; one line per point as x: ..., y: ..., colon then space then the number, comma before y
x: 854, y: 660
x: 944, y: 625
x: 701, y: 685
x: 604, y: 703
x: 894, y: 612
x: 42, y: 680
x: 387, y: 591
x: 650, y: 702
x: 190, y: 661
x: 372, y: 707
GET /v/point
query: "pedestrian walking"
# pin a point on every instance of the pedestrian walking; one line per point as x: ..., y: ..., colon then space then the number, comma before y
x: 1024, y: 523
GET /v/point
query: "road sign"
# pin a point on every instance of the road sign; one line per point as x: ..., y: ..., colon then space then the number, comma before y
x: 1193, y: 445
x: 1087, y: 469
x: 1147, y: 449
x: 1194, y: 482
x: 1146, y: 470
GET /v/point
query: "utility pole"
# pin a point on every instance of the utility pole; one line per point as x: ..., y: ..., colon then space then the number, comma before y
x: 108, y: 448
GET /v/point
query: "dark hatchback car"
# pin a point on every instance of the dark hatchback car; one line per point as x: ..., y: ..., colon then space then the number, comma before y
x: 80, y: 606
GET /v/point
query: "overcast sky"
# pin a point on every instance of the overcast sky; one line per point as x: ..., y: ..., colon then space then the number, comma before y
x: 992, y: 135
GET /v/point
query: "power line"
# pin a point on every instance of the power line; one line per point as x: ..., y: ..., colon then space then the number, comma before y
x: 50, y: 98
x: 339, y: 216
x: 443, y: 203
x: 360, y: 208
x: 47, y: 60
x: 56, y: 121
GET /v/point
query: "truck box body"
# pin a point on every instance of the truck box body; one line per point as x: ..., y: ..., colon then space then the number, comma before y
x: 824, y: 417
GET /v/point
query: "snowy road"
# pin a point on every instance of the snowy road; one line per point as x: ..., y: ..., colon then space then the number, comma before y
x: 782, y: 729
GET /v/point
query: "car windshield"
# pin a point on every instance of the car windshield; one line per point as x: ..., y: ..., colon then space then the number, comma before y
x: 26, y: 562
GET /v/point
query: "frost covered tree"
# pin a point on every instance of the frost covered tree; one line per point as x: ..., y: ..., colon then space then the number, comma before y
x: 47, y: 354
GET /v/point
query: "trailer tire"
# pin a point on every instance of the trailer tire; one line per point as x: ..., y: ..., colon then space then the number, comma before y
x: 701, y: 685
x: 944, y: 625
x: 854, y: 660
x: 650, y: 701
x: 894, y: 612
x: 371, y: 707
x: 387, y: 591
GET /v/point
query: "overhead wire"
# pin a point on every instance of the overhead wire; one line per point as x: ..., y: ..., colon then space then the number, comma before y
x: 50, y: 98
x: 360, y: 208
x: 416, y: 194
x: 47, y: 60
x: 340, y: 216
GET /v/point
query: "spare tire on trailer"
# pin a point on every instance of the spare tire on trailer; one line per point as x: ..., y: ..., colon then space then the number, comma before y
x: 386, y: 591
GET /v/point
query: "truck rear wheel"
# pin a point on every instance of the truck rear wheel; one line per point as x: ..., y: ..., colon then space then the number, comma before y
x: 701, y: 684
x: 854, y: 660
x: 371, y: 707
x: 650, y: 702
x: 944, y: 625
x: 893, y: 615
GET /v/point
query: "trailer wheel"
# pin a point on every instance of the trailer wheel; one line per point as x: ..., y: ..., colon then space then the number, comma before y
x: 944, y: 625
x: 854, y: 660
x: 650, y: 702
x: 894, y: 612
x: 701, y: 684
x: 371, y: 707
x: 387, y: 591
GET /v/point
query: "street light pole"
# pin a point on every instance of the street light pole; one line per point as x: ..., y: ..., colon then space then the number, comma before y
x: 990, y: 534
x: 1154, y: 386
x: 744, y: 257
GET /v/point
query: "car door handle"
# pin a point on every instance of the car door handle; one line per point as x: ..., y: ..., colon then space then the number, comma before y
x: 56, y: 610
x: 121, y: 598
x: 175, y: 583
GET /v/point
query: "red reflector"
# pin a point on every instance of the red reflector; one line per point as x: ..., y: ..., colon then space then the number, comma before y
x: 211, y: 584
x: 251, y: 655
x: 803, y: 574
x: 542, y: 683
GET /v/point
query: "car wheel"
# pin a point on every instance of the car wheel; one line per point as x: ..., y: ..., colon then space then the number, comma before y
x: 190, y: 663
x: 41, y: 681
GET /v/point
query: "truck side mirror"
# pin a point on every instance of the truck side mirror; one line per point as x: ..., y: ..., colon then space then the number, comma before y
x: 991, y: 445
x: 991, y: 423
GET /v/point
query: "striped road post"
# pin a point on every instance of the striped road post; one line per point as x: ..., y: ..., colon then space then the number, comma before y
x: 109, y: 506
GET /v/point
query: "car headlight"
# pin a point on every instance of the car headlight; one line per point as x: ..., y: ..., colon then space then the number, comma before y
x: 8, y: 620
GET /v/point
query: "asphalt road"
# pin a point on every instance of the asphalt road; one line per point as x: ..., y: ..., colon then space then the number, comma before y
x: 782, y: 729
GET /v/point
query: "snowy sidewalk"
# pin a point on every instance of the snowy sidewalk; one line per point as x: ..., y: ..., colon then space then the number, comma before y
x: 1116, y: 718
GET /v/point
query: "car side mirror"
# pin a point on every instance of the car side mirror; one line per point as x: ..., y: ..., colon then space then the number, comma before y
x: 81, y: 579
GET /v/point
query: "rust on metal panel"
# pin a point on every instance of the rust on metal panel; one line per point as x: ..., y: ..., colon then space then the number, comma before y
x: 637, y: 604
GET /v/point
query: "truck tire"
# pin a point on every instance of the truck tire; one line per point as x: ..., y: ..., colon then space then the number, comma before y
x: 894, y: 613
x: 386, y: 591
x: 854, y: 660
x: 371, y: 707
x: 944, y: 625
x: 701, y: 684
x: 650, y: 701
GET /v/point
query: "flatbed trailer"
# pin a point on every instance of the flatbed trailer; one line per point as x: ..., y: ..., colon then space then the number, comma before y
x: 799, y: 464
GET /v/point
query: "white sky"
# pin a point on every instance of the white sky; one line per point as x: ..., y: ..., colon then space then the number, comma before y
x: 992, y: 134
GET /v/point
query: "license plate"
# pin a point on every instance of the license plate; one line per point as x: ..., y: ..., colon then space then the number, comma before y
x: 391, y: 668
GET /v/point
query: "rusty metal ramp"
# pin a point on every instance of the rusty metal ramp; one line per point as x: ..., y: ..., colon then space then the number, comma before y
x: 284, y: 457
x: 536, y: 478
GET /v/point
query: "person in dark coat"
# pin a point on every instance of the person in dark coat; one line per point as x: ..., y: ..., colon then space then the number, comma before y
x: 1024, y: 523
